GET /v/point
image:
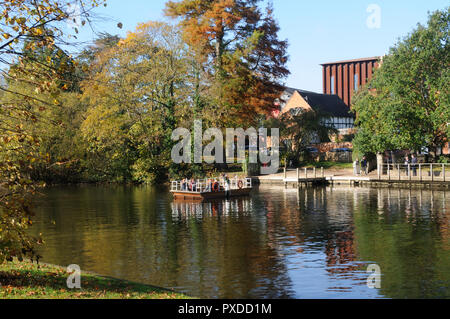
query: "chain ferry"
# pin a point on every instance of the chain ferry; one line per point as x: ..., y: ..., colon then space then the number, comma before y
x: 200, y: 190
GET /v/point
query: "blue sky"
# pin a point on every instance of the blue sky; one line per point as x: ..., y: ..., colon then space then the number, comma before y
x: 318, y: 31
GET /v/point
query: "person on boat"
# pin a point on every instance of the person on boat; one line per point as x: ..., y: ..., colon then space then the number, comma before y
x: 192, y: 185
x: 184, y: 184
x: 226, y: 185
x: 208, y: 188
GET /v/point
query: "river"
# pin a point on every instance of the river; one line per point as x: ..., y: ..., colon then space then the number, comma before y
x: 277, y: 243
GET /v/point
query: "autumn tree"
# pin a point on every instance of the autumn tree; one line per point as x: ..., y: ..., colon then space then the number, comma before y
x: 29, y: 28
x: 136, y: 98
x: 407, y: 103
x: 237, y: 46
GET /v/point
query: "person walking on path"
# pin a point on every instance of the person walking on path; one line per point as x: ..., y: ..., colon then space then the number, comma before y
x: 414, y: 164
x: 356, y: 167
x: 407, y: 162
x: 364, y: 165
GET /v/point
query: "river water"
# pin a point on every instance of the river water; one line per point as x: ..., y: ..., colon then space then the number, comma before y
x: 277, y: 243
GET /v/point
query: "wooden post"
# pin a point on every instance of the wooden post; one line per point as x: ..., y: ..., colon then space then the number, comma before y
x: 399, y: 173
x: 389, y: 171
x: 409, y: 171
x: 306, y: 173
x: 298, y: 175
x: 420, y: 172
x: 443, y: 172
x: 315, y: 173
x: 432, y: 173
x: 285, y: 173
x: 322, y: 171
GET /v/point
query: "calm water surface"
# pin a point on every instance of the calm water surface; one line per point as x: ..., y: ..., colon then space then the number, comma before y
x: 278, y: 243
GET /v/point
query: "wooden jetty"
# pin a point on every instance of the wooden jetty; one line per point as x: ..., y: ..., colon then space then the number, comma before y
x: 422, y: 176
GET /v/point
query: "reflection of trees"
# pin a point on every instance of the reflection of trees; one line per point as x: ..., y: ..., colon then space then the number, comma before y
x: 132, y: 233
x: 408, y: 237
x: 317, y: 220
x: 240, y: 248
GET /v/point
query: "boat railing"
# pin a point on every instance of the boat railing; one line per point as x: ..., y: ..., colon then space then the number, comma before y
x: 205, y: 185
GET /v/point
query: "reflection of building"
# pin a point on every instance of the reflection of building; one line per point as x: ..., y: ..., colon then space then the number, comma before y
x: 344, y: 78
x: 340, y: 251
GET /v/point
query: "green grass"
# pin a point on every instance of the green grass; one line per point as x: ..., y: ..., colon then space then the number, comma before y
x: 330, y: 165
x: 24, y: 280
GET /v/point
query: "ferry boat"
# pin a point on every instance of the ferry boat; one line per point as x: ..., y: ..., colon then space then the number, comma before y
x: 202, y: 190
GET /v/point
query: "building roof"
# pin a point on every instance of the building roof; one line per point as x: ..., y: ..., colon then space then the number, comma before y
x: 376, y: 58
x: 324, y: 103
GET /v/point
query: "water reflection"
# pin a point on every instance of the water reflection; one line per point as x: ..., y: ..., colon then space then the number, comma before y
x: 278, y: 243
x: 215, y: 208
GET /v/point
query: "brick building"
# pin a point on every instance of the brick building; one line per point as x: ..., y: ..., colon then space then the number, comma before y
x: 343, y: 78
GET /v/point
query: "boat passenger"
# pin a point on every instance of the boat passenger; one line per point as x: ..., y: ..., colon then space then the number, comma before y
x: 184, y: 185
x: 208, y: 188
x: 226, y: 185
x: 193, y: 185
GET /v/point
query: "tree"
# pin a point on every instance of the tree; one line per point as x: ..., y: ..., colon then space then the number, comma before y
x: 299, y: 130
x: 27, y: 27
x: 406, y: 105
x: 240, y: 54
x: 136, y: 97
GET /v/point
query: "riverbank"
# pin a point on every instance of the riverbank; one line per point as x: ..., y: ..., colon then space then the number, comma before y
x: 26, y: 280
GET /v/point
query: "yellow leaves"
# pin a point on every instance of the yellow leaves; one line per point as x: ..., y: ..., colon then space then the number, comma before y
x: 37, y: 32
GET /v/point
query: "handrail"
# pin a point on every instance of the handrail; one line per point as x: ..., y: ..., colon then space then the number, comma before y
x: 417, y: 171
x: 202, y: 186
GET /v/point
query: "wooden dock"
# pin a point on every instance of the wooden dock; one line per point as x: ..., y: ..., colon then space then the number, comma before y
x: 312, y: 177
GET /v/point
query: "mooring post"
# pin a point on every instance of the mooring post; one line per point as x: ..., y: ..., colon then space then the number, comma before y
x: 389, y: 171
x: 399, y: 173
x: 443, y: 172
x: 322, y: 172
x: 315, y: 173
x: 285, y: 173
x: 431, y: 172
x: 306, y: 174
x: 298, y: 177
x: 420, y: 172
x: 409, y: 171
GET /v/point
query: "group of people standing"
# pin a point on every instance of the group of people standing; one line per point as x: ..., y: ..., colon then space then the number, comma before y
x: 411, y: 164
x: 363, y: 166
x: 212, y: 185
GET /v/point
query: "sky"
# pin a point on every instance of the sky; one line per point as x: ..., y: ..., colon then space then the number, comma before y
x: 318, y: 31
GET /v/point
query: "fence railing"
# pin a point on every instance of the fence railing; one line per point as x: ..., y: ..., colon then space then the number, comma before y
x: 415, y: 172
x: 207, y: 185
x: 307, y: 173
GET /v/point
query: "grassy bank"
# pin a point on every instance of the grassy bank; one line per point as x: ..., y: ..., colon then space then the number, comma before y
x: 28, y: 281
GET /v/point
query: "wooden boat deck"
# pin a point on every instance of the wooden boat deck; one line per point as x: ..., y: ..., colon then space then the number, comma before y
x: 187, y: 195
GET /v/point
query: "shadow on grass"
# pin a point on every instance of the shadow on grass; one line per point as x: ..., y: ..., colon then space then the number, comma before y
x: 52, y: 283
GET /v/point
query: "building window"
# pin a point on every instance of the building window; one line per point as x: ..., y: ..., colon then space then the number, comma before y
x: 355, y: 80
x: 332, y: 85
